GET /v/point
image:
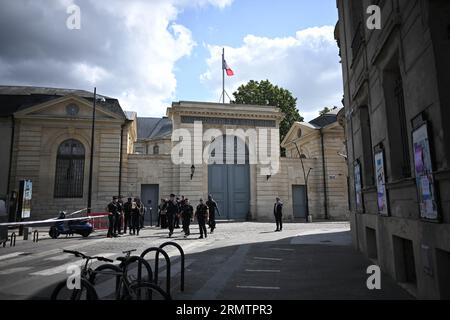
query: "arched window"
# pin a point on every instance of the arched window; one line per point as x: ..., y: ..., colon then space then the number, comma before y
x: 156, y: 149
x: 69, y: 176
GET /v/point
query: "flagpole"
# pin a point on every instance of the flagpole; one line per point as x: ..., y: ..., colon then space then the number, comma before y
x: 223, y: 74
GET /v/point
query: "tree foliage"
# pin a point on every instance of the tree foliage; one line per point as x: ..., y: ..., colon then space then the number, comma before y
x: 325, y: 111
x: 265, y: 93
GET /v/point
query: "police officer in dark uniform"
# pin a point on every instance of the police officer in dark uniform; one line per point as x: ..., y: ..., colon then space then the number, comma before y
x: 112, y: 214
x: 202, y: 217
x: 119, y: 221
x: 172, y: 212
x: 212, y: 206
x: 127, y: 206
x: 187, y: 212
x: 162, y: 219
x: 135, y: 218
x: 177, y: 217
x: 278, y: 212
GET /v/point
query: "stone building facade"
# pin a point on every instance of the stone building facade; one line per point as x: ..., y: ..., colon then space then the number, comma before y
x: 228, y: 150
x: 50, y: 144
x: 396, y: 113
x: 321, y: 146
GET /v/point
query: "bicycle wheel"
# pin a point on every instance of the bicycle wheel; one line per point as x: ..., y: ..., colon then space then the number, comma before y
x: 147, y: 291
x: 86, y: 292
x: 103, y: 280
x: 134, y: 272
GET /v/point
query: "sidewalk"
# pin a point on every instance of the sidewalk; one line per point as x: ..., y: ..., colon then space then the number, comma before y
x: 307, y: 267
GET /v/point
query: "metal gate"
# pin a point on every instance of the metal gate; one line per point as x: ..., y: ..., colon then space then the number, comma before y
x: 230, y: 187
x: 299, y: 201
x: 150, y: 199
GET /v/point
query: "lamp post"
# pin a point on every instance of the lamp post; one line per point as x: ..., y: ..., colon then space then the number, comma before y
x: 306, y: 177
x: 91, y: 164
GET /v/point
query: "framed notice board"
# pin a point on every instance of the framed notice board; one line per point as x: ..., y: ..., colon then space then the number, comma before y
x: 423, y: 168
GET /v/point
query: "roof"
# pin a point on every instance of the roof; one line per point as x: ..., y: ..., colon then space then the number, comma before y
x: 325, y: 119
x: 16, y: 98
x: 153, y: 128
x: 131, y: 115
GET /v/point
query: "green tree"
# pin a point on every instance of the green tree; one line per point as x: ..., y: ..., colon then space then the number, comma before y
x: 265, y: 93
x: 325, y: 111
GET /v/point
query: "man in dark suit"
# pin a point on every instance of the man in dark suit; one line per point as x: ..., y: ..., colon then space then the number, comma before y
x: 113, y: 212
x: 278, y: 212
x: 172, y: 212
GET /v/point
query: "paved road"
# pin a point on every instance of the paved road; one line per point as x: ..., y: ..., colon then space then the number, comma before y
x: 241, y: 260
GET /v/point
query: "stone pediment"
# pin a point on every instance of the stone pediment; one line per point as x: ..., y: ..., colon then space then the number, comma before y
x: 68, y: 107
x: 297, y: 131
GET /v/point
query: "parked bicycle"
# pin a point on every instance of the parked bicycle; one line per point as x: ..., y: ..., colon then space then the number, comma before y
x: 126, y: 288
x: 86, y: 291
x: 134, y: 279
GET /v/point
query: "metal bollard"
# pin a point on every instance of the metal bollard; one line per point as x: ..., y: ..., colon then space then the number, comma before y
x: 176, y: 245
x: 13, y: 240
x: 36, y: 236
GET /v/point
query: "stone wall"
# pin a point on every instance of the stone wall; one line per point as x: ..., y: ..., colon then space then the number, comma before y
x: 412, y: 36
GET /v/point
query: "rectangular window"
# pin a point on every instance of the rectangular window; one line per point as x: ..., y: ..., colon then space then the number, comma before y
x: 443, y: 270
x: 366, y: 138
x: 397, y: 124
x: 356, y: 15
x: 405, y: 265
x: 371, y: 242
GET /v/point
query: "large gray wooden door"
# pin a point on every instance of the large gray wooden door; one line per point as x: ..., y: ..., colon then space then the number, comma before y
x: 150, y: 192
x: 230, y: 187
x: 299, y: 201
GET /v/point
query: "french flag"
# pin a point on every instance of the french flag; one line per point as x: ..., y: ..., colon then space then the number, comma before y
x: 228, y: 70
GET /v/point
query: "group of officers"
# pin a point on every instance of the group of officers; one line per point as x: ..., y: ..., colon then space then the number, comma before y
x: 129, y: 214
x: 170, y: 211
x: 173, y: 209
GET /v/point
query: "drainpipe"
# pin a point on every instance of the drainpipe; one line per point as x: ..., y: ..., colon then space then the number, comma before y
x: 11, y: 149
x: 325, y: 205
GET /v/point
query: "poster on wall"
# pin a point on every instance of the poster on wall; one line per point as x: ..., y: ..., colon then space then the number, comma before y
x: 26, y: 188
x: 358, y: 188
x: 423, y: 168
x: 382, y: 200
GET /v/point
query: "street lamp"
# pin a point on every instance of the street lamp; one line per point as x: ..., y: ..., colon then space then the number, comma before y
x: 306, y: 177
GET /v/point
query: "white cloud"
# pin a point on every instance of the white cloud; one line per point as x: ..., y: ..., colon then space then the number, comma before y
x: 307, y: 64
x: 128, y: 49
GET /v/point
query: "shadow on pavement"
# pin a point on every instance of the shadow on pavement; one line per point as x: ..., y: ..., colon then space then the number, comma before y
x: 309, y: 267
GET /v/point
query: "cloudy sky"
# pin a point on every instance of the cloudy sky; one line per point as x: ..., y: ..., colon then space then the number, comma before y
x: 148, y: 53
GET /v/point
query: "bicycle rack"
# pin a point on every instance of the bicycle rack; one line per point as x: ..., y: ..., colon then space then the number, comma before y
x: 141, y: 261
x: 176, y: 245
x: 36, y: 236
x: 13, y: 240
x: 166, y: 256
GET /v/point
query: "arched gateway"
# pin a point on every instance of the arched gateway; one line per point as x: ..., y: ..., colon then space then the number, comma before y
x: 229, y: 178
